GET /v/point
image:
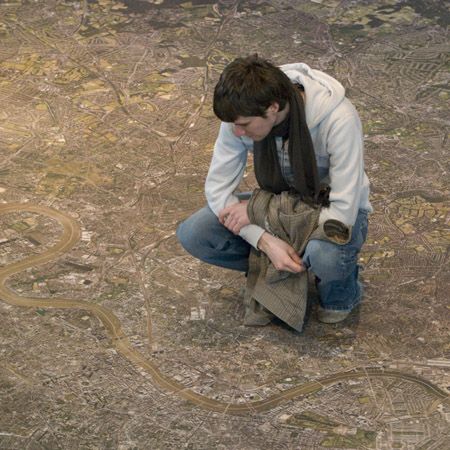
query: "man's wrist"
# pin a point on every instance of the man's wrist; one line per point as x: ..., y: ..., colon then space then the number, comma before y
x: 263, y: 241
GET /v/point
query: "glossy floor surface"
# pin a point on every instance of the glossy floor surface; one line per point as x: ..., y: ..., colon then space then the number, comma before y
x: 106, y: 133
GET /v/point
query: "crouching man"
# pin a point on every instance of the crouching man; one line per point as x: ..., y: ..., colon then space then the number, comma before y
x: 306, y: 138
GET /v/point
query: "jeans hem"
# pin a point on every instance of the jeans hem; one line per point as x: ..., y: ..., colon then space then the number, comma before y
x: 346, y: 308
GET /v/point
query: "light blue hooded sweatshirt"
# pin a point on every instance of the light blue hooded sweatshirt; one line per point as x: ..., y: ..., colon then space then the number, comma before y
x: 337, y: 137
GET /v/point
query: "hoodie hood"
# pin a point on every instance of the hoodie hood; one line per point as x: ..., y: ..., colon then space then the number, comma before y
x: 326, y: 91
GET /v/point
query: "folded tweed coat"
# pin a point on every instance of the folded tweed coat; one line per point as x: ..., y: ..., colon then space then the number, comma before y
x: 269, y: 291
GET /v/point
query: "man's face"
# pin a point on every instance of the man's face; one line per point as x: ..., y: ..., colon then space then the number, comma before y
x: 255, y: 127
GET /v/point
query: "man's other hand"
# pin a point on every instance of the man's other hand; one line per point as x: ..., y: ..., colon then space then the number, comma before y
x: 234, y: 217
x: 280, y: 253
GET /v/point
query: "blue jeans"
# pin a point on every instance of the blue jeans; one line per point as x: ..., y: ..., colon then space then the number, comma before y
x: 335, y: 266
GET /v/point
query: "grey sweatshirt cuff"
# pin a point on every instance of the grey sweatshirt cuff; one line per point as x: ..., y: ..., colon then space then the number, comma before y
x: 251, y: 233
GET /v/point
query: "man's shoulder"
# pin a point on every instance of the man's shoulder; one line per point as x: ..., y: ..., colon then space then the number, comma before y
x: 344, y: 113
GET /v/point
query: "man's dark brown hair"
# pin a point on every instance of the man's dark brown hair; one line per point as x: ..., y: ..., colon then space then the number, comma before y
x: 247, y: 87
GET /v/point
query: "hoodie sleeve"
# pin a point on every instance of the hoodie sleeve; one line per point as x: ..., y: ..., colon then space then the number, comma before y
x: 345, y: 149
x: 224, y: 175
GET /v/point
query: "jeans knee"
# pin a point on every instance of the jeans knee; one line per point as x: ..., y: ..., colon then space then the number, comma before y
x: 186, y: 237
x: 201, y: 239
x: 327, y: 261
x: 205, y: 238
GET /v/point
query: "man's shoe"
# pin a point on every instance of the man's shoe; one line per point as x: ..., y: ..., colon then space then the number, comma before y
x: 335, y: 315
x: 331, y: 315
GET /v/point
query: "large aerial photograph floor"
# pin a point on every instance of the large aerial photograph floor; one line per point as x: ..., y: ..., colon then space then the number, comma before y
x: 112, y: 335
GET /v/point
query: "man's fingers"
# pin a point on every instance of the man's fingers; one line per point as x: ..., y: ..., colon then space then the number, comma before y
x: 295, y: 257
x: 296, y: 262
x: 230, y: 222
x: 293, y: 254
x: 292, y: 265
x: 223, y: 215
x: 236, y: 227
x: 295, y: 267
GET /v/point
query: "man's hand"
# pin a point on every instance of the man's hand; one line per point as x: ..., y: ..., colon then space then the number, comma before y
x: 234, y: 217
x: 280, y: 253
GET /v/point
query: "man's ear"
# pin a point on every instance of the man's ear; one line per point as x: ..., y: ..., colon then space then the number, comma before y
x: 274, y: 107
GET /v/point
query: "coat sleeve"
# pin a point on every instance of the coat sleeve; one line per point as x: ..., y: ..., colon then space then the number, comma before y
x: 224, y: 175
